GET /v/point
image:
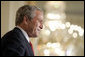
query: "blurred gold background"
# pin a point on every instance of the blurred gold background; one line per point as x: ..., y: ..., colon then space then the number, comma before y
x: 63, y: 32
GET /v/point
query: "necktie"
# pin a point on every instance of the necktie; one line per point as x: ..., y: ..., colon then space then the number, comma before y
x: 32, y: 47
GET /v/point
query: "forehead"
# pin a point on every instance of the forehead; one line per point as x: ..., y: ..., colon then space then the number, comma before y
x: 39, y: 14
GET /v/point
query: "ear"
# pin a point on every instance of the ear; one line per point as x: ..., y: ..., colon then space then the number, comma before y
x: 25, y: 20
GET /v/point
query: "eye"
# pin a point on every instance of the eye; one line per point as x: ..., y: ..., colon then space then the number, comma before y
x: 41, y: 21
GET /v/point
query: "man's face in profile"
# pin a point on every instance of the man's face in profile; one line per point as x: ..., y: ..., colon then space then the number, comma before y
x: 36, y: 24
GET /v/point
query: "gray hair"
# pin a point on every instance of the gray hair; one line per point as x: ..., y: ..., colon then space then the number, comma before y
x: 25, y: 10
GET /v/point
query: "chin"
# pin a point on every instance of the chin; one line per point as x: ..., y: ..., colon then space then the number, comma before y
x: 35, y: 36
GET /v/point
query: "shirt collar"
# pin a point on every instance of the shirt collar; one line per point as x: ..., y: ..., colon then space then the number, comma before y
x: 25, y: 34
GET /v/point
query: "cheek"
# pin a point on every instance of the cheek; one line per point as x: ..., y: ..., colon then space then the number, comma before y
x: 36, y: 27
x: 31, y: 27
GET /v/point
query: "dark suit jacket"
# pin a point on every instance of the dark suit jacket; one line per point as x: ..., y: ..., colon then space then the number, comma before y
x: 14, y: 43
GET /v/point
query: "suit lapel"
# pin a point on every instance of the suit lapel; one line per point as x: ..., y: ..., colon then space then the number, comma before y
x: 24, y: 42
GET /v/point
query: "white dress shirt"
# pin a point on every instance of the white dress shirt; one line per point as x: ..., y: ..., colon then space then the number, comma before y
x: 24, y: 33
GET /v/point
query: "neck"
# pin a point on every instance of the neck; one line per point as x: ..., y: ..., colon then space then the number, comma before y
x: 25, y: 29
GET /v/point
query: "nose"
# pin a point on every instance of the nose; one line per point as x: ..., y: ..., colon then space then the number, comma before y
x: 41, y: 26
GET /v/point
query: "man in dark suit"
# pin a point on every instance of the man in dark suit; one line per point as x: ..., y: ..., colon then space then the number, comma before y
x: 28, y: 24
